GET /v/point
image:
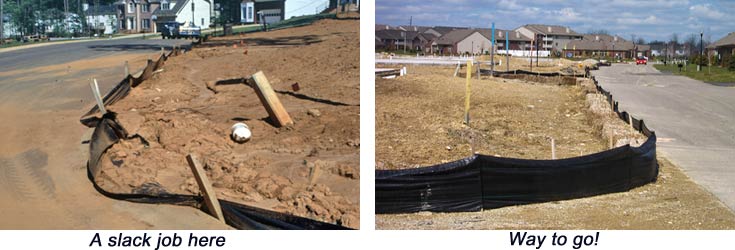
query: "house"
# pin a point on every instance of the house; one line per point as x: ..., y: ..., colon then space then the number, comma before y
x: 442, y: 30
x: 398, y: 39
x: 135, y: 16
x: 101, y: 19
x: 602, y: 45
x: 382, y: 27
x: 260, y: 11
x: 420, y: 29
x: 462, y: 41
x: 723, y: 47
x: 551, y: 37
x: 516, y: 40
x: 184, y: 11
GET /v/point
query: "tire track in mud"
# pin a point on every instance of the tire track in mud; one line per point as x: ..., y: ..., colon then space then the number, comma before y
x: 25, y: 177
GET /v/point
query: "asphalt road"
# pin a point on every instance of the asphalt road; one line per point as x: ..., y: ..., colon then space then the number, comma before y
x: 694, y: 121
x: 43, y: 152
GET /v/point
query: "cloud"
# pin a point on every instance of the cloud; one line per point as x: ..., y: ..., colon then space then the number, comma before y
x: 705, y: 11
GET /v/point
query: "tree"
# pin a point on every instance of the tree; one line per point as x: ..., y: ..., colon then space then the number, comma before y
x: 640, y: 41
x: 674, y: 43
x: 691, y: 42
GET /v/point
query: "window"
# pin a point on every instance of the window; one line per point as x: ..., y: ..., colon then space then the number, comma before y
x: 145, y: 7
x: 146, y: 24
x: 165, y: 5
x: 131, y: 7
x: 202, y: 21
x: 250, y: 13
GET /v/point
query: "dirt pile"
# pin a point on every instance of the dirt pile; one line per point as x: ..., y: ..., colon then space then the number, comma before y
x: 616, y: 131
x: 310, y: 169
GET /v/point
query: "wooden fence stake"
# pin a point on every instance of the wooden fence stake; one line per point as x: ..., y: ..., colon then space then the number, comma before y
x: 210, y: 199
x: 467, y: 94
x: 456, y: 71
x: 97, y: 96
x: 127, y: 69
x: 269, y: 99
x: 630, y: 121
x: 478, y: 70
x: 553, y: 149
x: 610, y: 139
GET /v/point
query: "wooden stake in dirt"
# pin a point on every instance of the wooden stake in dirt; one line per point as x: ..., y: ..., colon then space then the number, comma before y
x: 630, y: 121
x: 467, y: 94
x: 127, y: 69
x: 269, y: 99
x: 97, y: 96
x: 210, y: 198
x: 553, y: 149
x: 456, y: 71
x: 610, y: 139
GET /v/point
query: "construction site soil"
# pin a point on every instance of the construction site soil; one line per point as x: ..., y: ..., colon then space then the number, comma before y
x: 420, y: 122
x: 310, y: 169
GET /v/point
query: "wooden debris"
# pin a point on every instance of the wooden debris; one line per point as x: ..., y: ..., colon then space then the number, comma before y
x: 210, y: 198
x: 271, y: 102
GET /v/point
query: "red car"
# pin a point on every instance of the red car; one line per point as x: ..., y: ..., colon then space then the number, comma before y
x: 641, y: 60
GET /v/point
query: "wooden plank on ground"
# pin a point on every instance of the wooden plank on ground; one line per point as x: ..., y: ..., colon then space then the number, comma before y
x: 210, y: 199
x: 269, y: 99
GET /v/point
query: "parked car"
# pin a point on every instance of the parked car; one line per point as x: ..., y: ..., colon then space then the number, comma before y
x: 604, y: 63
x: 641, y: 60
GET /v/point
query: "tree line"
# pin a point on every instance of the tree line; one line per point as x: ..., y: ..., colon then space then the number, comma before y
x: 57, y: 18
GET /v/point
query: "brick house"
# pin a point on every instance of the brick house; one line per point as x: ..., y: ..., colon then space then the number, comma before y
x: 723, y: 47
x: 135, y: 16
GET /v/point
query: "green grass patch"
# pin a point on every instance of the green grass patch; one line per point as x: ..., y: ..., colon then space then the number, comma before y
x: 707, y: 74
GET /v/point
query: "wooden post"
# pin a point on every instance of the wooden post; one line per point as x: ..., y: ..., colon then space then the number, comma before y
x: 610, y: 139
x: 553, y: 149
x: 162, y: 50
x: 630, y: 121
x: 127, y: 69
x: 478, y: 70
x: 210, y: 199
x: 269, y: 99
x: 456, y: 71
x: 467, y: 94
x: 97, y: 96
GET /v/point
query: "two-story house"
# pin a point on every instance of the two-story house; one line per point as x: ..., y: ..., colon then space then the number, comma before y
x: 135, y: 16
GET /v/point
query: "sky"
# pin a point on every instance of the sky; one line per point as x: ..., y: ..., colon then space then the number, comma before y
x: 650, y: 19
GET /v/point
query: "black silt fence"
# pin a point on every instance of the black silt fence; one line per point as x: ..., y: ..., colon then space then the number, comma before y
x: 485, y: 182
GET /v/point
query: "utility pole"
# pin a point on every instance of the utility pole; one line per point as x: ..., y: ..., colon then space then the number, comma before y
x: 492, y: 50
x: 2, y: 23
x: 66, y: 15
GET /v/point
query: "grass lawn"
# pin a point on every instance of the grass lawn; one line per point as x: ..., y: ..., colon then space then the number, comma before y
x: 707, y: 74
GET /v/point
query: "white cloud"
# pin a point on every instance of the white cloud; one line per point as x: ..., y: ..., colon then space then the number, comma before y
x: 705, y: 11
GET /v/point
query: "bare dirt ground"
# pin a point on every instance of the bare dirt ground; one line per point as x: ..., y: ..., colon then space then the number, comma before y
x: 310, y: 169
x: 420, y: 119
x: 43, y: 180
x: 419, y: 123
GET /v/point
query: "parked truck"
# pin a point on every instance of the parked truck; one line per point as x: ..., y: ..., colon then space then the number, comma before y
x: 175, y: 30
